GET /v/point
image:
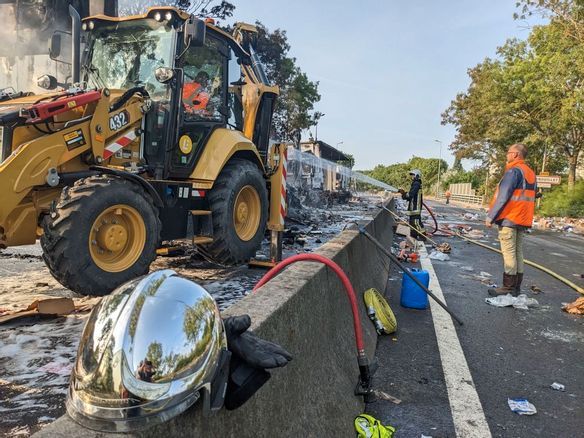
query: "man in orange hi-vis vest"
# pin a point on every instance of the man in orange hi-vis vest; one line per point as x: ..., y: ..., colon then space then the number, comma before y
x: 512, y: 210
x: 195, y: 96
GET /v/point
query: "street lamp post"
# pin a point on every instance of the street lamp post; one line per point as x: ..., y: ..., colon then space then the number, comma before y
x: 339, y: 143
x: 439, y: 166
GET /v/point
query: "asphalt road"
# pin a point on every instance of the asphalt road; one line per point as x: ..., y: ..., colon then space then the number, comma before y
x: 510, y: 353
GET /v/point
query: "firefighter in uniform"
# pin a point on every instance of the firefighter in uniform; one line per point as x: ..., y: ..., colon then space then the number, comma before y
x: 414, y: 198
x: 512, y: 210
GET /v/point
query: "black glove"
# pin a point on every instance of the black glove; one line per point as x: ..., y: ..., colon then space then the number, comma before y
x: 250, y: 356
x: 255, y: 351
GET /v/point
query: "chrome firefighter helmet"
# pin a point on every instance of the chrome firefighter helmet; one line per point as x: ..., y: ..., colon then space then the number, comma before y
x: 148, y: 351
x: 416, y: 172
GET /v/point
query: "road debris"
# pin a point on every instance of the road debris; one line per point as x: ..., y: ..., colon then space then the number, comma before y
x: 444, y: 247
x: 575, y: 308
x: 385, y: 396
x: 437, y: 255
x: 558, y: 386
x: 522, y: 302
x: 521, y: 406
x: 48, y: 307
x: 535, y: 289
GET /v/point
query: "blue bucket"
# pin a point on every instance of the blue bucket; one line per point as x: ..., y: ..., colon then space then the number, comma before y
x: 412, y: 295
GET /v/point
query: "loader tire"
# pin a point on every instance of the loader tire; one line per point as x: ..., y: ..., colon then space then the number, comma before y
x: 239, y: 206
x: 102, y: 232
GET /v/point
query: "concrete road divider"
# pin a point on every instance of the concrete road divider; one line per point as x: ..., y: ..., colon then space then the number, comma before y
x: 306, y: 310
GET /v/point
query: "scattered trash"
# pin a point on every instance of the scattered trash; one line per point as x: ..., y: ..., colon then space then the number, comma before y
x: 520, y: 302
x: 485, y: 274
x: 467, y: 268
x: 402, y: 230
x: 558, y: 386
x: 471, y: 216
x: 535, y: 289
x: 444, y: 247
x: 408, y: 256
x: 367, y: 426
x: 575, y: 308
x: 385, y: 396
x: 426, y: 436
x: 51, y: 306
x: 42, y: 284
x: 437, y: 255
x: 475, y: 234
x: 521, y: 406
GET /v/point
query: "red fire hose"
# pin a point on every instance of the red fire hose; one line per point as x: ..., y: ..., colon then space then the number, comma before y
x: 342, y: 276
x: 364, y: 385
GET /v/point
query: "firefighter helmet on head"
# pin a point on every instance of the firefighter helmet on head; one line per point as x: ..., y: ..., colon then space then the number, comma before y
x: 416, y: 173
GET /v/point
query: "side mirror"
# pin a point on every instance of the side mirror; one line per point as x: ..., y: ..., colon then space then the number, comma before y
x: 194, y: 30
x: 60, y: 47
x: 163, y: 74
x: 47, y: 82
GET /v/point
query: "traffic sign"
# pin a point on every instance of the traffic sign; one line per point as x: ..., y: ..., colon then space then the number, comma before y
x: 544, y: 185
x: 548, y: 179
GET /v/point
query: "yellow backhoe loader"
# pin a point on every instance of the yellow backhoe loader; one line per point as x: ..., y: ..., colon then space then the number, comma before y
x: 163, y: 133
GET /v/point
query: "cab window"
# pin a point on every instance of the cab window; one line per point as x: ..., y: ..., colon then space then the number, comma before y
x: 203, y: 94
x: 234, y: 95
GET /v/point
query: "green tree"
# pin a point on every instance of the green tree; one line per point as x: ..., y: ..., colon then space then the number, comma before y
x: 533, y: 93
x: 569, y: 13
x: 298, y: 93
x: 397, y: 174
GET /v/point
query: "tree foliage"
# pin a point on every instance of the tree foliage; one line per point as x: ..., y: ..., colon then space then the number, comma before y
x: 532, y: 93
x: 397, y: 175
x: 475, y: 177
x: 569, y: 13
x: 561, y: 202
x: 298, y: 93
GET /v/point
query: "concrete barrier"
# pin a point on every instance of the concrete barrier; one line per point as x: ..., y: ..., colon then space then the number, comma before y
x: 306, y: 310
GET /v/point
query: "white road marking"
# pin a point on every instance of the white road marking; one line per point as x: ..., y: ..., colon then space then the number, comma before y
x: 467, y: 412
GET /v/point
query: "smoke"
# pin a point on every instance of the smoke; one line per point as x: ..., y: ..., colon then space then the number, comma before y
x: 24, y: 45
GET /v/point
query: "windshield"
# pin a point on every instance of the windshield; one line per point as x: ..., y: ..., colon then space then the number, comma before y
x: 124, y: 55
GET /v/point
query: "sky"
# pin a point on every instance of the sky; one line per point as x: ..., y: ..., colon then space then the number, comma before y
x: 388, y: 68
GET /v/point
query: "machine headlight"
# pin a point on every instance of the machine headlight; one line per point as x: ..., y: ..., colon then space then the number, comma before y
x: 91, y: 25
x: 168, y: 16
x: 158, y: 16
x: 84, y: 26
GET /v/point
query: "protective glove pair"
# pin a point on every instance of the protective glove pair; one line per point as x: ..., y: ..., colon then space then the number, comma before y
x: 251, y: 356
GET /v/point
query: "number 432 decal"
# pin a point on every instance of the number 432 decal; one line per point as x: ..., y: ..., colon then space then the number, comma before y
x: 119, y: 120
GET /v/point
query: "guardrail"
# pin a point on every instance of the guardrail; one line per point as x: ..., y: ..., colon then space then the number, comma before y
x: 467, y: 199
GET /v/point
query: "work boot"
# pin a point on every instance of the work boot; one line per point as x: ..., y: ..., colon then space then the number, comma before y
x: 508, y: 287
x: 518, y: 281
